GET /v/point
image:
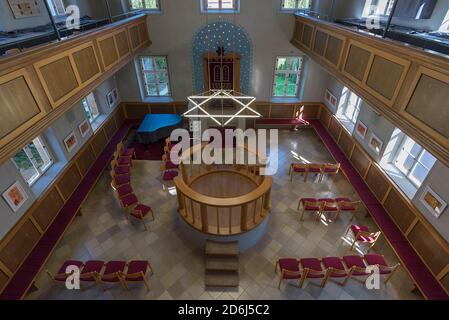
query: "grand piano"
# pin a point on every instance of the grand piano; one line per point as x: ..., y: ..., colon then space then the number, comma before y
x: 157, y: 126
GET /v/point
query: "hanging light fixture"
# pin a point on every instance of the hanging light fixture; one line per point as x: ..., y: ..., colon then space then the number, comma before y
x: 199, y: 103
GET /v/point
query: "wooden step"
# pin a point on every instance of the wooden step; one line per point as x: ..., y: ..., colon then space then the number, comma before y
x: 222, y: 279
x: 214, y: 248
x: 222, y: 264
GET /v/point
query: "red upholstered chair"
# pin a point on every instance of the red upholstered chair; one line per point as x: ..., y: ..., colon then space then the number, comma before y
x: 122, y: 190
x: 91, y: 270
x: 120, y: 180
x: 136, y: 209
x: 125, y: 152
x: 61, y: 275
x: 329, y: 206
x: 330, y: 169
x: 112, y: 273
x: 379, y: 261
x: 311, y: 205
x: 346, y: 205
x: 336, y: 269
x: 122, y: 161
x: 289, y: 270
x: 363, y: 235
x: 136, y: 272
x: 355, y: 266
x: 298, y: 168
x: 315, y: 169
x: 312, y: 269
x: 168, y: 174
x: 119, y: 170
x: 168, y: 163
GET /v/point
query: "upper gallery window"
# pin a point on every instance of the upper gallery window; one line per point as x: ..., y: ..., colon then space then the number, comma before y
x: 292, y: 5
x: 378, y: 8
x: 349, y: 108
x: 90, y: 107
x: 155, y: 76
x: 57, y: 7
x: 145, y: 4
x: 220, y: 5
x: 287, y: 76
x: 33, y: 160
x: 414, y: 161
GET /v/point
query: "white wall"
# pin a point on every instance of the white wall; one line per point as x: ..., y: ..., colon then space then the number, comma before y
x: 270, y: 32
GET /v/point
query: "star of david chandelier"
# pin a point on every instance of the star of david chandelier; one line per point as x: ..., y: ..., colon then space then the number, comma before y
x: 198, y: 106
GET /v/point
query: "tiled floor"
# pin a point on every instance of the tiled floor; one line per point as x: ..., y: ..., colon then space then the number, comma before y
x: 104, y: 233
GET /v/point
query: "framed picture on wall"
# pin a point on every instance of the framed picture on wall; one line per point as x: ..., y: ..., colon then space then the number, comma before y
x: 112, y: 97
x: 361, y: 129
x: 84, y: 128
x: 331, y: 99
x: 433, y: 202
x: 375, y: 143
x: 15, y: 196
x: 70, y: 142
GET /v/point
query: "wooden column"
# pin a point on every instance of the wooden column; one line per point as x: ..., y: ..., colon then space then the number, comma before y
x: 204, y: 221
x: 244, y: 218
x: 267, y: 201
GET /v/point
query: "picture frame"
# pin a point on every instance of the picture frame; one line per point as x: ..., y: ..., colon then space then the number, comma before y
x: 361, y: 129
x: 84, y: 128
x: 331, y: 99
x: 375, y: 143
x: 15, y: 196
x: 70, y: 142
x: 433, y: 202
x: 112, y: 98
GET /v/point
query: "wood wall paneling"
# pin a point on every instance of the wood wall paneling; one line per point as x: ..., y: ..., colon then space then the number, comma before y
x: 3, y: 280
x: 263, y: 109
x: 282, y: 111
x: 14, y: 251
x: 385, y: 77
x: 143, y: 32
x: 47, y: 209
x: 19, y: 107
x: 181, y: 108
x: 360, y: 160
x: 346, y: 143
x: 108, y: 51
x: 134, y: 36
x: 57, y: 77
x: 99, y: 142
x: 121, y: 39
x: 399, y: 211
x: 325, y: 118
x: 320, y: 43
x: 357, y: 62
x: 110, y: 128
x: 430, y: 250
x: 85, y: 160
x: 136, y: 111
x: 445, y: 282
x: 377, y: 182
x: 334, y: 50
x: 307, y: 35
x: 298, y: 31
x: 307, y: 111
x: 161, y: 108
x: 428, y: 103
x: 335, y: 128
x: 86, y: 63
x: 68, y: 183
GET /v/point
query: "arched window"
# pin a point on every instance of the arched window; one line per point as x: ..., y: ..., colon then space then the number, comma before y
x: 226, y: 74
x: 217, y: 74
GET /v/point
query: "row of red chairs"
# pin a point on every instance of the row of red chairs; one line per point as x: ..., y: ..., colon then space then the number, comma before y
x: 99, y: 272
x: 311, y: 168
x: 169, y: 170
x: 322, y: 206
x: 332, y: 268
x: 121, y: 184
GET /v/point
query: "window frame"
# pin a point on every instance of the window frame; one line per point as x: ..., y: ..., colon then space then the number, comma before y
x: 143, y: 79
x: 157, y: 9
x: 416, y: 161
x: 299, y: 74
x: 296, y: 8
x: 345, y: 105
x: 90, y: 117
x: 39, y: 144
x: 383, y: 15
x: 54, y: 8
x: 204, y: 7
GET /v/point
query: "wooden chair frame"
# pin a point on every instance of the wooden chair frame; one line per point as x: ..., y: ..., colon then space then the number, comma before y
x: 299, y: 165
x: 139, y: 216
x: 341, y: 204
x: 120, y: 146
x: 310, y: 203
x: 136, y: 276
x: 374, y: 235
x: 333, y: 166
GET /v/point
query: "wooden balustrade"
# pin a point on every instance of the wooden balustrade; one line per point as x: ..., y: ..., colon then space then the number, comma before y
x: 396, y: 79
